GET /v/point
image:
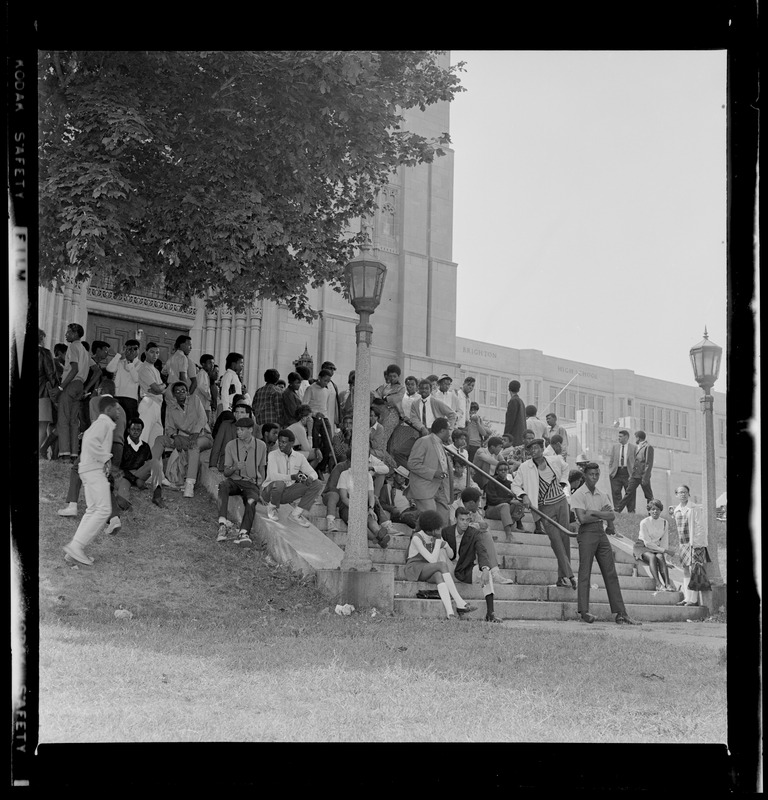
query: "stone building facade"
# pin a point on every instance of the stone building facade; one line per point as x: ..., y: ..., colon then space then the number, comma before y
x: 415, y: 327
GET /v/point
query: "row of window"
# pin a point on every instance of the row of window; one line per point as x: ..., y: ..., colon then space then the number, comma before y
x: 572, y: 400
x: 491, y: 390
x: 663, y: 421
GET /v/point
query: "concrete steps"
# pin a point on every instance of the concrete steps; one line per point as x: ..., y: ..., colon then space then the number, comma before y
x: 525, y: 557
x: 522, y: 609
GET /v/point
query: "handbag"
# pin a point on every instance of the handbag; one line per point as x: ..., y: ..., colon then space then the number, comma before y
x: 699, y: 582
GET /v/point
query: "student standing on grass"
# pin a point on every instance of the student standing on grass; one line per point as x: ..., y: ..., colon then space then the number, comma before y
x: 245, y: 461
x: 105, y: 390
x: 592, y: 507
x: 77, y: 362
x: 425, y: 562
x: 94, y: 459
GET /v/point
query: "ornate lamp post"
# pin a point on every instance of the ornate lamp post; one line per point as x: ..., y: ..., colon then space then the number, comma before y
x: 365, y: 281
x: 705, y: 358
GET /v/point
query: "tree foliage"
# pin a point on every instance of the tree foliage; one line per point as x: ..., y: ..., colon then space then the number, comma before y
x: 233, y: 174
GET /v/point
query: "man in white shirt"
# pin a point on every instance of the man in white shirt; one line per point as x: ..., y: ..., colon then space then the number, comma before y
x: 152, y: 387
x: 445, y: 394
x: 94, y: 457
x: 376, y: 533
x: 427, y: 408
x: 179, y: 367
x: 289, y: 478
x: 231, y: 383
x: 554, y: 429
x: 334, y: 405
x: 125, y: 366
x: 555, y: 450
x: 411, y: 394
x: 533, y: 423
x: 464, y: 402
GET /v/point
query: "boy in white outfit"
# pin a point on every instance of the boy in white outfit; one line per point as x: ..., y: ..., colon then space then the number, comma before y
x: 95, y: 455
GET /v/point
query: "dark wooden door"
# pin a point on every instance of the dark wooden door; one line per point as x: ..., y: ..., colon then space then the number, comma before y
x: 116, y: 331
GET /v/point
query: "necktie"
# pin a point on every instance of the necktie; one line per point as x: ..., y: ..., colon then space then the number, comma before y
x: 424, y: 411
x: 621, y: 464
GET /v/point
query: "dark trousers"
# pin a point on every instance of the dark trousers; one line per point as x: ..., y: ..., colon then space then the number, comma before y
x: 68, y: 425
x: 618, y: 482
x: 130, y: 406
x: 250, y: 493
x: 631, y: 493
x: 595, y: 545
x: 560, y: 542
x: 76, y: 484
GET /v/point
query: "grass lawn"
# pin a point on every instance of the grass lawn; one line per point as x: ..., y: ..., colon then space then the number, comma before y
x: 224, y: 646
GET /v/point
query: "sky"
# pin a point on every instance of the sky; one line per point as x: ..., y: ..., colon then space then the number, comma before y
x: 590, y: 205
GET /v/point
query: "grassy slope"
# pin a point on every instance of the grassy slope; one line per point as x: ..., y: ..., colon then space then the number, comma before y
x: 225, y: 647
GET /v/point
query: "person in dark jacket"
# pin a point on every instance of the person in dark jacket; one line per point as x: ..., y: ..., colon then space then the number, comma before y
x: 514, y: 423
x: 471, y: 557
x: 227, y: 433
x: 48, y: 382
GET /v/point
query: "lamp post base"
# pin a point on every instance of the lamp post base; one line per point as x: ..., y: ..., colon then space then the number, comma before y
x: 364, y: 589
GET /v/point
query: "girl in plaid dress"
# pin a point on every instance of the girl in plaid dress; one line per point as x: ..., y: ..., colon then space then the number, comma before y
x: 692, y: 548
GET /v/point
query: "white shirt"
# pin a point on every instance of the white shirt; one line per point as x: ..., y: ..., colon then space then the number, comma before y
x: 462, y: 410
x: 281, y: 467
x: 537, y: 426
x: 149, y: 374
x: 346, y: 482
x: 425, y: 404
x: 229, y: 378
x: 126, y: 376
x: 407, y: 402
x: 96, y: 447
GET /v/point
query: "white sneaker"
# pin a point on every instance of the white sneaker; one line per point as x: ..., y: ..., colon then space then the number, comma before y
x: 189, y: 489
x: 69, y: 511
x: 222, y: 536
x: 272, y: 513
x: 76, y: 553
x: 297, y: 516
x: 499, y: 578
x: 114, y: 525
x: 242, y: 538
x: 332, y: 524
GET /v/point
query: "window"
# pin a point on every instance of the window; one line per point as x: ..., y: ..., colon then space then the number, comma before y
x: 643, y: 416
x: 667, y: 422
x: 482, y: 389
x: 493, y: 395
x: 570, y: 404
x: 676, y: 427
x: 601, y: 410
x: 684, y: 425
x: 622, y: 407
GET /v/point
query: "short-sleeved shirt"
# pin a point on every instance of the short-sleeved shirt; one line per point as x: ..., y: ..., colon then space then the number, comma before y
x: 254, y: 454
x: 346, y: 482
x: 588, y: 501
x: 76, y: 352
x: 177, y: 364
x: 149, y: 374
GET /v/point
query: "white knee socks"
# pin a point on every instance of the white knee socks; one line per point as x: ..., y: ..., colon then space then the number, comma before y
x: 442, y: 590
x: 448, y: 578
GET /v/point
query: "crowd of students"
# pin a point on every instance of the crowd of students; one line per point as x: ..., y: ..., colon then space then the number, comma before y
x: 434, y: 463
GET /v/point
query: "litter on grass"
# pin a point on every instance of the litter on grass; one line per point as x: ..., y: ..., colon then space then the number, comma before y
x: 345, y: 610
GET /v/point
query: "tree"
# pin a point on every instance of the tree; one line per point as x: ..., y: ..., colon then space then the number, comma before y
x: 233, y: 174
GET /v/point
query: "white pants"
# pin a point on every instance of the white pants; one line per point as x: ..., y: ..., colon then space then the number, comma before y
x: 149, y: 412
x: 98, y: 506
